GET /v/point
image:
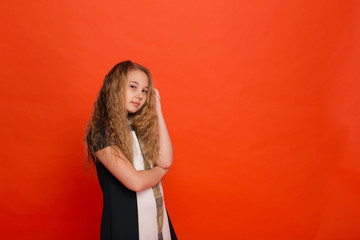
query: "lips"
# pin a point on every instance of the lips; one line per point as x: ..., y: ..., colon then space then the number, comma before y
x: 136, y: 103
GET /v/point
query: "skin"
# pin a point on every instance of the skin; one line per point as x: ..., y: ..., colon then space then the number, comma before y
x: 124, y: 171
x: 136, y: 91
x: 165, y: 158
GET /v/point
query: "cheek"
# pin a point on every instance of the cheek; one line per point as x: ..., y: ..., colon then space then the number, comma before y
x: 126, y: 95
x: 129, y: 96
x: 145, y: 100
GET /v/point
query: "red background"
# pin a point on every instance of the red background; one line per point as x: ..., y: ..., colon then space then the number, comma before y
x: 261, y: 99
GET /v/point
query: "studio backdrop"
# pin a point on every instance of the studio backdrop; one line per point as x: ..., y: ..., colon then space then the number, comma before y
x: 261, y: 99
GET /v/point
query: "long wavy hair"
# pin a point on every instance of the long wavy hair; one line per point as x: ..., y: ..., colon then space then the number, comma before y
x: 110, y: 115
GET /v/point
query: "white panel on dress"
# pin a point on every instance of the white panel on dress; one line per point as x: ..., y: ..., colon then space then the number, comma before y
x: 147, y: 214
x: 166, y: 228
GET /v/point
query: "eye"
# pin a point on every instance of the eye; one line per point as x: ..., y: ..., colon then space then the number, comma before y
x: 145, y: 91
x: 132, y: 86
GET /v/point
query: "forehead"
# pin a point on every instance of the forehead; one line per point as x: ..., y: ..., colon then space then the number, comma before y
x: 138, y: 76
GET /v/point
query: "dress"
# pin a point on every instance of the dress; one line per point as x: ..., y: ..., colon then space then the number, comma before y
x: 127, y: 214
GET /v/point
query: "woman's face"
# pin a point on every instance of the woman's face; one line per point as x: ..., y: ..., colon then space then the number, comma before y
x: 136, y: 90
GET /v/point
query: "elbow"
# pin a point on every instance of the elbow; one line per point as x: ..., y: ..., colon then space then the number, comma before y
x: 169, y: 163
x: 136, y: 187
x: 164, y: 164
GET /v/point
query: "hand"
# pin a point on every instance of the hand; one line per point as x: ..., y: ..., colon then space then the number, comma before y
x: 158, y: 99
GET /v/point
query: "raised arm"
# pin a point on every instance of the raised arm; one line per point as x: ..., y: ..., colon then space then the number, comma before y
x: 165, y: 158
x: 124, y: 171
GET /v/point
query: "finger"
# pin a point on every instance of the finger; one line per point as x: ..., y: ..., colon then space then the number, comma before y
x: 156, y: 92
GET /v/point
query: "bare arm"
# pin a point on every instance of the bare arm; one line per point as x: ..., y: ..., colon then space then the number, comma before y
x: 125, y: 172
x: 165, y: 158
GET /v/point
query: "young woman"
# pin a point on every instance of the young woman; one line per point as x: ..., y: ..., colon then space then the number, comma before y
x: 129, y: 143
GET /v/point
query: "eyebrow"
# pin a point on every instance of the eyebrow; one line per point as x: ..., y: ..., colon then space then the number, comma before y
x: 138, y: 83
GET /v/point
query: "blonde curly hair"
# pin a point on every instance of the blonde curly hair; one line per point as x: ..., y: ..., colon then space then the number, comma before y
x: 111, y: 119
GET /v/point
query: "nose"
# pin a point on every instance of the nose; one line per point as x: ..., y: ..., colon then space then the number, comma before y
x: 139, y: 95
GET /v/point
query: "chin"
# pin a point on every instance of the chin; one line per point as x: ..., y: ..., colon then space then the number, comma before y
x: 132, y: 110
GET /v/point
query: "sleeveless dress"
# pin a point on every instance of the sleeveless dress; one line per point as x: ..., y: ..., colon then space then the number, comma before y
x: 130, y: 215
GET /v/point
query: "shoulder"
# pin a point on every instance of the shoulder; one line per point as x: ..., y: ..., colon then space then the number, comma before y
x: 96, y: 139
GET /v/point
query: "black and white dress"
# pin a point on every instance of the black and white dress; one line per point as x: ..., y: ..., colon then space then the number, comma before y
x: 128, y: 214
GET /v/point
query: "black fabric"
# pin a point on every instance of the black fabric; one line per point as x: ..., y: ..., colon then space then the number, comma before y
x: 120, y: 213
x: 103, y: 143
x: 172, y: 231
x: 119, y: 216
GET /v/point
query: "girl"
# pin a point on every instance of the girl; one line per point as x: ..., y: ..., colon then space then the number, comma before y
x: 129, y: 143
